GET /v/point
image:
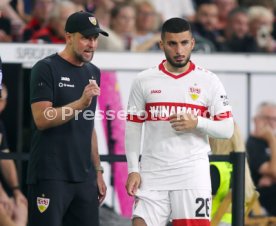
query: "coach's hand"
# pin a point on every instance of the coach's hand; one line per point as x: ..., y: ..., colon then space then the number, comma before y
x: 101, y: 187
x: 181, y: 122
x: 133, y: 183
x: 91, y: 90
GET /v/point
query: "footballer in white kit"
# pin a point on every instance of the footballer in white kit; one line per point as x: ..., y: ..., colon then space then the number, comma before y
x: 174, y: 169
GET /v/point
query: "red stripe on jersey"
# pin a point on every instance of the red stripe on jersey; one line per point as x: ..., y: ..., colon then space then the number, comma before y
x: 191, y: 222
x: 161, y: 111
x: 222, y: 116
x: 135, y: 118
x: 163, y: 69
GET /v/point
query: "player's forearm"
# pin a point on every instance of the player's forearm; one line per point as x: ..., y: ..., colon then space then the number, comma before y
x: 95, y: 152
x: 9, y: 173
x: 49, y: 116
x: 133, y: 144
x: 217, y: 129
x: 2, y: 191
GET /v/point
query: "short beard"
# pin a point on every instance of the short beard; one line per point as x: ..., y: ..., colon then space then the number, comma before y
x: 80, y: 58
x: 178, y: 65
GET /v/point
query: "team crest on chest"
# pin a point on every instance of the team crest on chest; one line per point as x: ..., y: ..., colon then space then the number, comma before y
x: 42, y: 203
x: 194, y: 92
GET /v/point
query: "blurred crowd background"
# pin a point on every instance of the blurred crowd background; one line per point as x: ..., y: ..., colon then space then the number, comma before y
x: 225, y: 26
x: 244, y: 26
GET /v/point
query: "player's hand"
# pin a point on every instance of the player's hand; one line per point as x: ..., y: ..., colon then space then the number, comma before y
x: 19, y: 197
x: 7, y: 203
x: 20, y: 213
x: 91, y: 90
x: 101, y: 187
x: 181, y: 122
x: 3, y: 215
x: 133, y: 183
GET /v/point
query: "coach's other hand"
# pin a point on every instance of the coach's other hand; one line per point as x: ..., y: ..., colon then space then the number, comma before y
x: 101, y: 187
x: 91, y: 90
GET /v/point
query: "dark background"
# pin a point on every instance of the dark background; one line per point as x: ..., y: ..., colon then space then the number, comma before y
x: 17, y: 115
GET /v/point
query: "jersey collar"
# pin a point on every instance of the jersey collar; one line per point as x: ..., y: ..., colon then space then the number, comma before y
x: 163, y: 69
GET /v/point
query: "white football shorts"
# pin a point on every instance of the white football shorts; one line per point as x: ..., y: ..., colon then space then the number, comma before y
x: 184, y: 207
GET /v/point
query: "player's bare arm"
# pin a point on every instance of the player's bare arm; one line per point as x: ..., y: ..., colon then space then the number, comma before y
x: 46, y: 116
x: 97, y: 164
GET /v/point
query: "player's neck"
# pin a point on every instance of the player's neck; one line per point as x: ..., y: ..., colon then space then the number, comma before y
x: 68, y: 57
x: 176, y: 70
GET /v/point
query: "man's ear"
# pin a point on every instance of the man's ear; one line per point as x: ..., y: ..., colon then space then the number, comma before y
x: 161, y: 45
x: 193, y: 43
x: 68, y: 37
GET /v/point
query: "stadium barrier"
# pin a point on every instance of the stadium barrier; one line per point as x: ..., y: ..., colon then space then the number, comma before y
x: 236, y: 158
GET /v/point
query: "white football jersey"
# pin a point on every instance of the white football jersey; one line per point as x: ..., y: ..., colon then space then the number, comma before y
x: 173, y: 160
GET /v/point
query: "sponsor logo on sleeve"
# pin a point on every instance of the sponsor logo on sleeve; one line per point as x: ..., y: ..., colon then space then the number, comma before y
x: 225, y: 100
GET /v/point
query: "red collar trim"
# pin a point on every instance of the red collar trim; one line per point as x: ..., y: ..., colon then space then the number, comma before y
x: 162, y: 68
